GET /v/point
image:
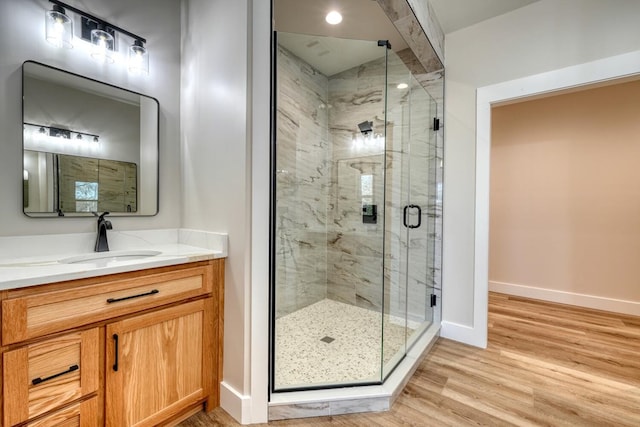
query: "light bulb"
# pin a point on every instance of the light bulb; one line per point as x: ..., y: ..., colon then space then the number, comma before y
x: 334, y: 17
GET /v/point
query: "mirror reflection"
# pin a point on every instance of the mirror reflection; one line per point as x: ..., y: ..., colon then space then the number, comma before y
x: 62, y: 183
x: 87, y: 146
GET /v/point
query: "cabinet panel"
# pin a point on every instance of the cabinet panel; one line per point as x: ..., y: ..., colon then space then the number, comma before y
x: 83, y: 414
x: 38, y: 314
x: 46, y: 375
x: 155, y: 364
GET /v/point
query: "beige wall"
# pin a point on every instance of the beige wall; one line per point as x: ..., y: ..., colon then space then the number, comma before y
x: 565, y: 193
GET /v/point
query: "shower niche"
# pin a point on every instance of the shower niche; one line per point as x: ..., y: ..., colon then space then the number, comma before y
x: 356, y: 209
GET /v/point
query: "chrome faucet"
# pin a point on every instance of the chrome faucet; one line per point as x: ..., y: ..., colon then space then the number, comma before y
x: 103, y: 225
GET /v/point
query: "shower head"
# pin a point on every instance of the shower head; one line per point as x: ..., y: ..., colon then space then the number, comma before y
x: 365, y: 127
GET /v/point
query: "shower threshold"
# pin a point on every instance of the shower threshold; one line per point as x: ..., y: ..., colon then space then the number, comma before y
x: 347, y: 400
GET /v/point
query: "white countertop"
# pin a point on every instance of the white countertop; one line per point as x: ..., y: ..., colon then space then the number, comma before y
x: 28, y: 269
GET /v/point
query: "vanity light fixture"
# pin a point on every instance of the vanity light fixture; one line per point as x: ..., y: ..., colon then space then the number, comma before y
x: 138, y: 57
x: 103, y: 44
x: 334, y: 17
x: 58, y: 27
x: 100, y: 33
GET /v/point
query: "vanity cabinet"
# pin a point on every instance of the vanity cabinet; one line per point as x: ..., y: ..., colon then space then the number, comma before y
x: 140, y: 348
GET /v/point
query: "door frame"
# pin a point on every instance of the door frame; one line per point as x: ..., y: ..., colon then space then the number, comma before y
x: 602, y: 70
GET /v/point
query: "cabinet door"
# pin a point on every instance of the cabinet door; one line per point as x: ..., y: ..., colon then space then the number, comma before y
x: 155, y: 364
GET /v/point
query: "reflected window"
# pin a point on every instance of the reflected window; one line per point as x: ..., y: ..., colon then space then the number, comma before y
x: 366, y: 185
x: 86, y: 196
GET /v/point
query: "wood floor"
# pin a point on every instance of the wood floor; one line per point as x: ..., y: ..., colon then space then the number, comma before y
x: 546, y: 365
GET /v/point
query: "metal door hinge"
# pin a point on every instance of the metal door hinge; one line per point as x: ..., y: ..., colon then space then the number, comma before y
x: 433, y: 300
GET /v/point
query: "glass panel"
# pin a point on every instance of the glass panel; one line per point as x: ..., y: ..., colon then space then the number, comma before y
x: 410, y: 186
x: 421, y: 193
x: 329, y: 206
x: 397, y: 187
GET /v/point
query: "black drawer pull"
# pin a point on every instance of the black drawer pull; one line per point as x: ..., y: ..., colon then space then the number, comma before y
x: 111, y: 300
x: 39, y: 380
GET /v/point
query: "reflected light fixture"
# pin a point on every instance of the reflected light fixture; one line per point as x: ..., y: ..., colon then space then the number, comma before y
x: 402, y: 86
x: 334, y: 17
x: 100, y: 33
x: 42, y: 131
x: 58, y: 27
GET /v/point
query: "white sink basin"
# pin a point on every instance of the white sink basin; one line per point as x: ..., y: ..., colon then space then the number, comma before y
x: 106, y: 258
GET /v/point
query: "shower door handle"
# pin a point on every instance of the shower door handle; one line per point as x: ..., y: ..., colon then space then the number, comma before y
x: 404, y: 216
x: 419, y: 216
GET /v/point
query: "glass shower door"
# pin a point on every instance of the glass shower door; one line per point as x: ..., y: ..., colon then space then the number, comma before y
x: 410, y: 154
x: 420, y: 224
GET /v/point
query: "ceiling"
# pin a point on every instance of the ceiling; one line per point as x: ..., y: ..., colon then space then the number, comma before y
x: 365, y: 21
x: 456, y: 14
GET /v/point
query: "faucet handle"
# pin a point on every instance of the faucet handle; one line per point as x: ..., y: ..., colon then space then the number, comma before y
x: 100, y: 216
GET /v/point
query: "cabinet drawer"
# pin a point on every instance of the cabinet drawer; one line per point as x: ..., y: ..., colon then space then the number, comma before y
x: 43, y: 313
x: 83, y: 414
x: 43, y: 376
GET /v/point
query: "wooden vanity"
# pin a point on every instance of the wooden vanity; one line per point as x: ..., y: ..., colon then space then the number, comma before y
x: 139, y: 348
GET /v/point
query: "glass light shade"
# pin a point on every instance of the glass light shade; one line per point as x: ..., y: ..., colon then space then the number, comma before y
x: 103, y: 45
x: 138, y: 58
x: 58, y: 28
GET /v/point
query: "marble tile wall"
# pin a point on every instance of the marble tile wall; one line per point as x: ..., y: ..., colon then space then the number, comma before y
x: 324, y: 249
x: 303, y: 163
x: 355, y: 249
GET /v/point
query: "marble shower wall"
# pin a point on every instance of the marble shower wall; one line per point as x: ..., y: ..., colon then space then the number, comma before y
x: 355, y: 249
x: 303, y: 159
x: 327, y: 170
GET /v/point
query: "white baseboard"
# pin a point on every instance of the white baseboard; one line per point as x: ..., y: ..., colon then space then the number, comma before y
x: 463, y: 333
x: 236, y: 404
x: 581, y: 300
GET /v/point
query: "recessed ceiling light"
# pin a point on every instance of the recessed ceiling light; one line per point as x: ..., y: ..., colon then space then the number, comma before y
x: 402, y: 86
x: 334, y: 17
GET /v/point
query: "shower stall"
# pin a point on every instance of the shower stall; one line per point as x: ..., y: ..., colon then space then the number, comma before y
x: 356, y: 212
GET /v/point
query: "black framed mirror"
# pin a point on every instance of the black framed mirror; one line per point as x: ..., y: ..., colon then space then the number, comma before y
x: 87, y: 146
